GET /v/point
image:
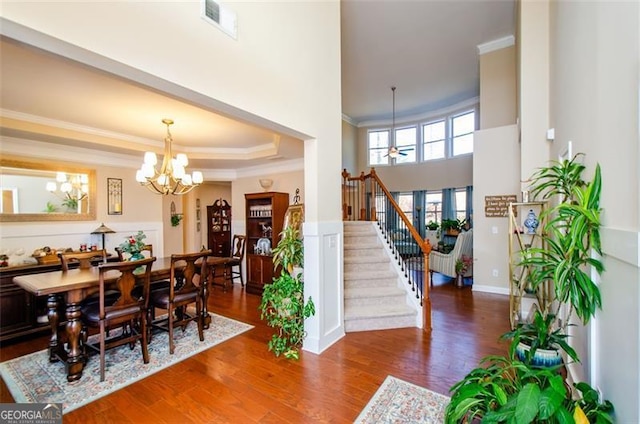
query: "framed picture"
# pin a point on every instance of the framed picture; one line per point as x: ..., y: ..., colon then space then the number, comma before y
x: 198, y: 227
x: 198, y: 203
x: 198, y: 214
x: 114, y: 196
x: 294, y: 217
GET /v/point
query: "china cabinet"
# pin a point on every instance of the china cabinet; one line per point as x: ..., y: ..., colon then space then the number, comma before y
x: 265, y: 214
x: 219, y: 228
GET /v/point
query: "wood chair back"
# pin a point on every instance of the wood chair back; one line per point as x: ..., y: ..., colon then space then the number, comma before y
x: 189, y: 271
x: 146, y: 248
x: 85, y: 259
x: 127, y: 310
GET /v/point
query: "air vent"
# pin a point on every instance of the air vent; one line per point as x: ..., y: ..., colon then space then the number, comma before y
x: 220, y: 16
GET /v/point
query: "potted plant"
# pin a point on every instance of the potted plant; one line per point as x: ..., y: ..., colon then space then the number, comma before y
x: 450, y: 226
x: 538, y: 343
x: 433, y: 226
x: 512, y: 389
x: 283, y: 305
x: 462, y: 265
x: 504, y: 389
x: 571, y: 233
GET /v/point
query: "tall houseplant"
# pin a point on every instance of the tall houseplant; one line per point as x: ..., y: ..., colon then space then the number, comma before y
x: 572, y: 235
x: 507, y: 389
x: 283, y: 305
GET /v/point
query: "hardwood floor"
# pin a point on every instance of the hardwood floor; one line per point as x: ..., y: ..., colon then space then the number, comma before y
x: 239, y: 381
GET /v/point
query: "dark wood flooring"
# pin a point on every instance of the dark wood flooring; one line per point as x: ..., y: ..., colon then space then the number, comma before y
x: 239, y: 381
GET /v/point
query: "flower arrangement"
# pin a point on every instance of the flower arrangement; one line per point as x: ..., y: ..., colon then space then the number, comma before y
x: 134, y: 244
x: 463, y: 264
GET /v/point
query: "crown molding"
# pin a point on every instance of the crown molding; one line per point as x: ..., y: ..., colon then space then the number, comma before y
x: 349, y: 120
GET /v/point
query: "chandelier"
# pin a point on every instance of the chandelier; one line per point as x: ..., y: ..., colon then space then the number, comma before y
x: 73, y: 189
x: 172, y: 177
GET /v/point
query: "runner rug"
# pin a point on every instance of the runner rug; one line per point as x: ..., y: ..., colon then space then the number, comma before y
x: 397, y: 401
x: 33, y: 379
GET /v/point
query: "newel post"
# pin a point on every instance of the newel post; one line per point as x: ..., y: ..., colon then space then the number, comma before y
x: 426, y: 288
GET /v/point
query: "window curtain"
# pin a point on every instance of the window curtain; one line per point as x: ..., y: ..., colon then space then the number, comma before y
x: 449, y: 203
x: 469, y: 207
x: 419, y: 207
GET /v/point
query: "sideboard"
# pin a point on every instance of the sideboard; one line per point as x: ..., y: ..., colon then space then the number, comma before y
x: 22, y: 313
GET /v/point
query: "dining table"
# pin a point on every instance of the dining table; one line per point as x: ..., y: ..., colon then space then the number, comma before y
x: 73, y: 286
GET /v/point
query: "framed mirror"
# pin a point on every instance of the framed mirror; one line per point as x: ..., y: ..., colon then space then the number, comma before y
x: 34, y: 190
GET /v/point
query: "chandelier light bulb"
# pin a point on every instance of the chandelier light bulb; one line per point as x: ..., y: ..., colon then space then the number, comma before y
x: 150, y: 158
x: 140, y: 176
x: 182, y: 159
x: 61, y: 177
x: 198, y: 178
x: 65, y: 187
x: 186, y: 180
x: 51, y: 186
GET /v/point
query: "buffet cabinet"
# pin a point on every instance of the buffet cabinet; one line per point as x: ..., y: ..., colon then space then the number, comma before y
x: 219, y: 228
x: 22, y: 313
x: 265, y: 214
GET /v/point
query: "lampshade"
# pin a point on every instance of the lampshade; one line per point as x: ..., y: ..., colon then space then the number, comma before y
x: 102, y: 229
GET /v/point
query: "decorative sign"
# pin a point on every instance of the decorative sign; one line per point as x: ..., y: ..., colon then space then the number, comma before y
x: 498, y: 206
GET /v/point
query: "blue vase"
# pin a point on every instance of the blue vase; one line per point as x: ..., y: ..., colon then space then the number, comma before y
x: 531, y: 223
x: 136, y: 256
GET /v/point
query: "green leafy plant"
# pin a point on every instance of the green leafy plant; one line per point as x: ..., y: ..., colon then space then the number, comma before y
x: 510, y: 389
x: 70, y: 203
x: 506, y: 390
x: 282, y: 304
x: 540, y: 334
x: 50, y: 208
x: 433, y: 226
x: 134, y: 244
x: 571, y: 233
x: 175, y: 219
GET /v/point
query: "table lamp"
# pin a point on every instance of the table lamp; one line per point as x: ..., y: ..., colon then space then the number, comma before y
x: 103, y: 229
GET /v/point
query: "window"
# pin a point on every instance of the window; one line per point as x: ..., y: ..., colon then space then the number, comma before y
x: 378, y: 147
x: 433, y: 138
x: 405, y: 201
x: 433, y: 207
x: 406, y: 144
x: 461, y: 203
x: 444, y: 137
x: 462, y: 127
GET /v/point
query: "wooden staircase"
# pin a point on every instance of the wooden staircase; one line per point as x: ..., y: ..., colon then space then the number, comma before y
x: 375, y: 298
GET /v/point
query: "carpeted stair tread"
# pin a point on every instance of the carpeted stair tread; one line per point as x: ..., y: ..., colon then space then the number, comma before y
x: 363, y: 292
x: 379, y: 311
x: 366, y: 259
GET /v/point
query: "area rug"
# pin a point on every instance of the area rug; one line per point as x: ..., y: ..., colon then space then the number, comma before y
x: 33, y: 379
x: 397, y: 401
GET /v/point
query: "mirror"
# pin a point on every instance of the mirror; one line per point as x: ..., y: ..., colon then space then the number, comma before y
x: 46, y: 191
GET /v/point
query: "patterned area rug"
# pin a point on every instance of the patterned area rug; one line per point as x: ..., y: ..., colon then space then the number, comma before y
x: 397, y: 401
x: 33, y: 379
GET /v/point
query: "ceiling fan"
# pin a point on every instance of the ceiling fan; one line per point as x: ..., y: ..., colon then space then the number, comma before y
x: 393, y: 150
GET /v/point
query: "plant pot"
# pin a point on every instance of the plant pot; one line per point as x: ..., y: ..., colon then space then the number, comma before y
x: 543, y: 358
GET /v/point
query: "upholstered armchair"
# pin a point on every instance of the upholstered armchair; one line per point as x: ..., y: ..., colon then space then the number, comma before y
x: 446, y: 263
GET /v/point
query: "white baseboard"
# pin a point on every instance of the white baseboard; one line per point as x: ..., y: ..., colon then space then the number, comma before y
x: 490, y: 289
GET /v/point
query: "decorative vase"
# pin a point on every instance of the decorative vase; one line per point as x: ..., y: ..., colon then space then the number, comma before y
x: 531, y: 223
x: 459, y: 281
x: 136, y: 256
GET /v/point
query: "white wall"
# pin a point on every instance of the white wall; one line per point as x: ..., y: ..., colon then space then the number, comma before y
x: 245, y: 78
x: 496, y: 167
x: 595, y: 54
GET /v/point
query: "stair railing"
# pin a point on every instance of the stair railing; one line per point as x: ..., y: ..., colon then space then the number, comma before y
x: 365, y: 198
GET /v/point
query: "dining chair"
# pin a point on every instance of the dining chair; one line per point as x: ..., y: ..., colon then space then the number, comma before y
x: 87, y: 260
x: 237, y: 254
x: 191, y: 270
x: 84, y: 259
x: 127, y: 311
x: 146, y: 248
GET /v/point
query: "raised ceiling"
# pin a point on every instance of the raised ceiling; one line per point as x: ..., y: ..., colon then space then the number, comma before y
x: 428, y: 49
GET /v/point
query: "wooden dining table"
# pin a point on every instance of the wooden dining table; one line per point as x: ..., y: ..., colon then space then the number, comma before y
x: 74, y: 286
